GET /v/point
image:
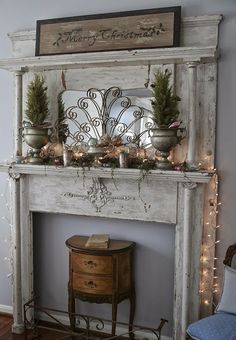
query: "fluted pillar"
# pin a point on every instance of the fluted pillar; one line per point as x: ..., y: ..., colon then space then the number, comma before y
x: 18, y: 325
x: 192, y: 126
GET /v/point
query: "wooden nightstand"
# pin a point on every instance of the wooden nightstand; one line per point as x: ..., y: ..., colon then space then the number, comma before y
x: 101, y: 276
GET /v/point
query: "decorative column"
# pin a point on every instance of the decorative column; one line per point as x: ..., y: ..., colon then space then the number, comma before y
x: 187, y: 224
x: 188, y: 197
x: 18, y: 325
x: 18, y: 114
x: 192, y: 128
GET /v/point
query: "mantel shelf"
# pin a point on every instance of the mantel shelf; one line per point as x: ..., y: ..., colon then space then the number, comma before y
x: 134, y: 174
x: 96, y: 59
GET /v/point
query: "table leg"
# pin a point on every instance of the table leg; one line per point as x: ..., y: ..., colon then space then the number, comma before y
x: 71, y: 309
x: 114, y: 316
x: 132, y: 299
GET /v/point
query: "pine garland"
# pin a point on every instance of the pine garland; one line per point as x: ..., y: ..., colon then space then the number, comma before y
x: 165, y: 103
x: 37, y: 101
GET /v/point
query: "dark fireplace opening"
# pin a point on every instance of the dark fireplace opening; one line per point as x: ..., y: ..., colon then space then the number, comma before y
x: 153, y: 265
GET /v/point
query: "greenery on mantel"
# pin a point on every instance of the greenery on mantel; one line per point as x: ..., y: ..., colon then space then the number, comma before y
x: 165, y: 103
x: 37, y: 102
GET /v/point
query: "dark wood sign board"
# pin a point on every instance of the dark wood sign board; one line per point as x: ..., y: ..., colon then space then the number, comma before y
x: 140, y: 29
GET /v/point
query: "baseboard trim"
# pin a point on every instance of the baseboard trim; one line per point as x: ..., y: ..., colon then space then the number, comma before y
x: 107, y: 328
x: 4, y: 309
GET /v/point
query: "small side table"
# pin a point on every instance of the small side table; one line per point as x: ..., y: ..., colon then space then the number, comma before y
x: 101, y: 276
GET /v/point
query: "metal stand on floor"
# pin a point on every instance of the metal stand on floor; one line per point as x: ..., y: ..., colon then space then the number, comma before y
x: 87, y: 327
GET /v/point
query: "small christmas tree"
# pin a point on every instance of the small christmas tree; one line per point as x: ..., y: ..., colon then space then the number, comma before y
x: 37, y: 101
x: 62, y: 125
x: 165, y: 103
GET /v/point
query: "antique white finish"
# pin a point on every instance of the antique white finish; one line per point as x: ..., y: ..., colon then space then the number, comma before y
x: 161, y: 196
x: 192, y: 128
x: 188, y: 199
x: 195, y: 31
x: 16, y: 252
x: 98, y: 59
x: 18, y: 114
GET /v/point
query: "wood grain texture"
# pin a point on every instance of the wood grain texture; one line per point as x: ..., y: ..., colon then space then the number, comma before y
x: 128, y: 69
x: 195, y: 31
x: 111, y: 31
x: 102, y: 284
x: 150, y: 201
x: 91, y: 264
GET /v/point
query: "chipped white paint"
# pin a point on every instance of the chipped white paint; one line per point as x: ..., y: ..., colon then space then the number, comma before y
x: 192, y: 127
x: 15, y: 214
x: 195, y: 31
x: 161, y: 196
x: 18, y: 114
x: 119, y: 58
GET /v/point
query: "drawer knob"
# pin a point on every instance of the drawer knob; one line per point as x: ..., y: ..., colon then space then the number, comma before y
x: 90, y: 264
x: 90, y: 284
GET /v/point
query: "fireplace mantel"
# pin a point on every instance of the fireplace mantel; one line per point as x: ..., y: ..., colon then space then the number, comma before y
x: 178, y: 198
x: 124, y: 173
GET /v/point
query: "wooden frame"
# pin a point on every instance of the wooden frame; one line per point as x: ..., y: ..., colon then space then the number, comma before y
x: 194, y: 64
x: 140, y: 29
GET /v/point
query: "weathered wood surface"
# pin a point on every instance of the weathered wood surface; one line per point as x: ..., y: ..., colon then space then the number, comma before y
x: 112, y: 31
x: 121, y: 173
x: 195, y: 31
x: 130, y: 70
x: 144, y: 200
x: 90, y: 60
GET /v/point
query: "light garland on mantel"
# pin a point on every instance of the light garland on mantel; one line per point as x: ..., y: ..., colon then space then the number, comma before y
x: 209, y: 283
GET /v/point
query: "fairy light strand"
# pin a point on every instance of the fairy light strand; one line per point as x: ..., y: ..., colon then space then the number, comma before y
x: 209, y: 285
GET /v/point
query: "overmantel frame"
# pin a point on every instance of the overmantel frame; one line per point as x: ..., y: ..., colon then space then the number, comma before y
x: 193, y: 65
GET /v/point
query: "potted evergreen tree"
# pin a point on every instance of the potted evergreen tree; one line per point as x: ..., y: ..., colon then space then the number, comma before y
x: 164, y: 134
x: 62, y: 126
x: 35, y: 127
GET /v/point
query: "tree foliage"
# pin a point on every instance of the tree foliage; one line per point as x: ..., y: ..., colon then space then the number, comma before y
x: 165, y: 103
x: 37, y: 101
x: 62, y: 124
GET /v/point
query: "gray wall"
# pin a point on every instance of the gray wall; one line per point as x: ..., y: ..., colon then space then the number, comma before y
x: 154, y: 261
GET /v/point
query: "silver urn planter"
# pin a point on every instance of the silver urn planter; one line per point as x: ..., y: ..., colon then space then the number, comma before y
x: 164, y: 140
x: 36, y: 138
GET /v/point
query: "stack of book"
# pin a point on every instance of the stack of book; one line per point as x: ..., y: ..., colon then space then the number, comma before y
x: 100, y: 241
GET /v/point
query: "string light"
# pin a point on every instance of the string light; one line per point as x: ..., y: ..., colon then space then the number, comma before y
x: 209, y: 286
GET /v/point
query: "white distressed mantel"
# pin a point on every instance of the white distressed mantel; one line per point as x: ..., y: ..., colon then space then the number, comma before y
x: 161, y: 196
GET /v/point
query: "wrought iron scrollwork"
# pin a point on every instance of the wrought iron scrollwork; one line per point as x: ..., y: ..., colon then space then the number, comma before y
x: 87, y: 327
x: 106, y: 112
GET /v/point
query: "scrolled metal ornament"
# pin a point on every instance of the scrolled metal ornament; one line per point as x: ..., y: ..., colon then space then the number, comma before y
x: 102, y: 112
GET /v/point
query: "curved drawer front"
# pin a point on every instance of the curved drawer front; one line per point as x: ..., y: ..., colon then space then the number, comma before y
x: 91, y: 284
x: 91, y: 264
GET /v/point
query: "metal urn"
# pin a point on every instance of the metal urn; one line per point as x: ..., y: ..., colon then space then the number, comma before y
x: 165, y: 139
x: 36, y: 138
